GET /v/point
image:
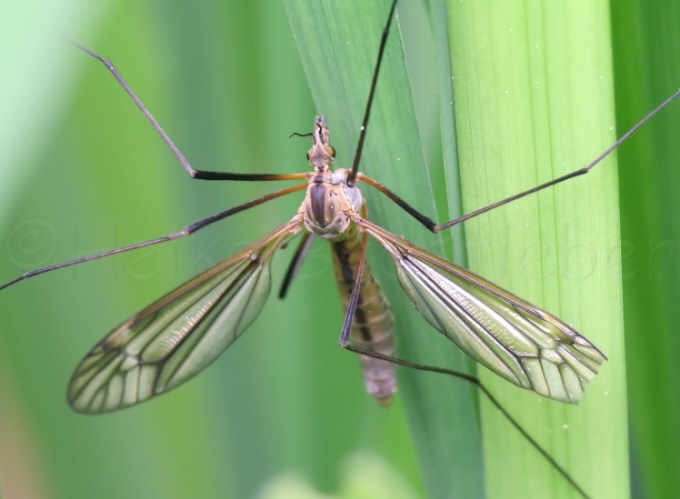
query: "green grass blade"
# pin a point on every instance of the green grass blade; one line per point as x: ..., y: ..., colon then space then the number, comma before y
x: 646, y: 52
x: 534, y: 101
x: 338, y: 42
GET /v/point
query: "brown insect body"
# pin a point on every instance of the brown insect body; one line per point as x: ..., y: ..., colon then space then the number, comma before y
x: 325, y: 210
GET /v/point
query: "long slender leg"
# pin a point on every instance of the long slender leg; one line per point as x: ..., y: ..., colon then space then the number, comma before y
x: 295, y: 264
x: 198, y: 174
x: 476, y: 381
x: 351, y: 178
x: 356, y: 289
x: 190, y: 229
x: 432, y: 226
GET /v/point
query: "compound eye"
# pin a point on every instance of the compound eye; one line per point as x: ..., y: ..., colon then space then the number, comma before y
x: 330, y: 150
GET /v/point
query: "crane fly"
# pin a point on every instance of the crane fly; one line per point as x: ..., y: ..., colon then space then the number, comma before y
x: 184, y: 331
x: 180, y: 334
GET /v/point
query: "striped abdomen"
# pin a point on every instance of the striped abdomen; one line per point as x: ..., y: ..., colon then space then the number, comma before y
x: 372, y: 327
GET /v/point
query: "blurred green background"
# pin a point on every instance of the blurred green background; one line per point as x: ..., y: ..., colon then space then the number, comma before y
x: 83, y: 172
x: 88, y: 173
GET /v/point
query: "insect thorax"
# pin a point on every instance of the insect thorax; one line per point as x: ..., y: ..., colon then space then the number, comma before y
x: 328, y: 200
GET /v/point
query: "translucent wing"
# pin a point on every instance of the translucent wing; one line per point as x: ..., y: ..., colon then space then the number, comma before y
x: 178, y: 335
x: 518, y: 341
